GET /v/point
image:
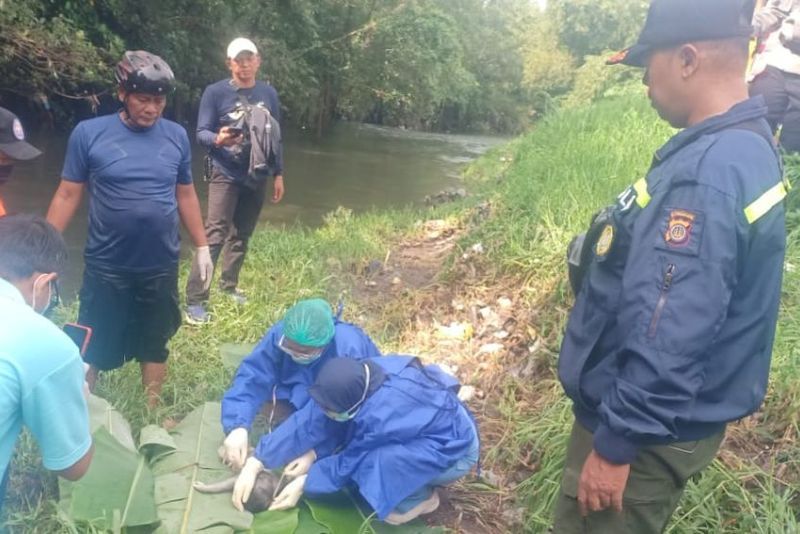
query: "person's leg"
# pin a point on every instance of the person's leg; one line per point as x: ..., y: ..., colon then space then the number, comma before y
x: 770, y: 84
x: 158, y: 319
x: 790, y: 132
x: 427, y: 492
x: 655, y: 485
x: 223, y: 195
x: 105, y: 306
x: 245, y: 219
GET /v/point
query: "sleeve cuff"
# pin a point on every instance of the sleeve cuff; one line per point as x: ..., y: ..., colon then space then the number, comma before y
x: 616, y: 449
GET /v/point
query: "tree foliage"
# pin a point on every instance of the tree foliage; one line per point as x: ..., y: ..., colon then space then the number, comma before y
x: 487, y: 65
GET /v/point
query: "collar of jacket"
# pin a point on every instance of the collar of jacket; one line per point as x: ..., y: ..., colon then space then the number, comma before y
x: 747, y: 110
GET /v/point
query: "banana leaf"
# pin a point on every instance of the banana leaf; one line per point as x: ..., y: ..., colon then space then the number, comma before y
x: 181, y: 508
x: 116, y: 491
x: 276, y: 522
x: 155, y: 442
x: 343, y: 513
x: 102, y: 414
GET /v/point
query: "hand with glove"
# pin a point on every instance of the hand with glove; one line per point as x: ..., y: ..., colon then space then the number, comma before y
x: 235, y: 448
x: 300, y: 465
x: 205, y: 265
x: 290, y: 495
x: 245, y: 482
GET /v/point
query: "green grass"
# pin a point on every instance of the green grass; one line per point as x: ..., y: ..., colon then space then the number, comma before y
x: 541, y: 189
x: 572, y: 165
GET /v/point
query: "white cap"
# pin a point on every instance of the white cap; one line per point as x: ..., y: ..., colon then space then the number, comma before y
x: 239, y: 45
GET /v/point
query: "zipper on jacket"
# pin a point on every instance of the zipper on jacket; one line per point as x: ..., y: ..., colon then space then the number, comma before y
x: 662, y: 300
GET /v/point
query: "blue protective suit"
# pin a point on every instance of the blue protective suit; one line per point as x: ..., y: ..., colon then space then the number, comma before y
x: 671, y: 334
x: 409, y: 431
x: 268, y: 366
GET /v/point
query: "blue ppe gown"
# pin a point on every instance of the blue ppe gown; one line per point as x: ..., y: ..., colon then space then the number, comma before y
x: 407, y: 434
x: 268, y: 366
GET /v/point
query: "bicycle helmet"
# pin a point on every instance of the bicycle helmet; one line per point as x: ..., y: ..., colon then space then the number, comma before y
x: 142, y: 72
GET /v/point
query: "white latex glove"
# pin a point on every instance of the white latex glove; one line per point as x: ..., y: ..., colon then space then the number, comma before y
x: 300, y: 465
x: 205, y: 265
x: 245, y: 482
x: 235, y: 448
x: 290, y: 495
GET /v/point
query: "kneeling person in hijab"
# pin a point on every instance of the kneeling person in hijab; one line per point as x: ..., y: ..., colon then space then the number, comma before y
x: 390, y: 426
x: 283, y: 366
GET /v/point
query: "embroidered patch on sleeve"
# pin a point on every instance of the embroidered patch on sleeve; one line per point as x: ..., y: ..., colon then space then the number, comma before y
x: 681, y: 231
x: 605, y: 241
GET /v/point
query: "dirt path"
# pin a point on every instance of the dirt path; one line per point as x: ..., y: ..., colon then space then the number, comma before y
x: 430, y: 292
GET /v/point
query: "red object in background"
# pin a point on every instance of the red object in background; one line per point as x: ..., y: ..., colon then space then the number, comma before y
x: 79, y: 334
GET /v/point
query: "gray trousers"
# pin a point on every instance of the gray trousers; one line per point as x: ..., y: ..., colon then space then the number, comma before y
x: 233, y: 211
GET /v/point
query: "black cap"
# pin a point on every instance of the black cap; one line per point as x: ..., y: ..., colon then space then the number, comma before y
x: 675, y: 22
x: 12, y: 138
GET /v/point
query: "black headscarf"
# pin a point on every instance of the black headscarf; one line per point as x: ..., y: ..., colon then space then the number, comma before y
x: 340, y: 383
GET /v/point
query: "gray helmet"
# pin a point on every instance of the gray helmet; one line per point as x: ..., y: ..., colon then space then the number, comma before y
x: 142, y: 72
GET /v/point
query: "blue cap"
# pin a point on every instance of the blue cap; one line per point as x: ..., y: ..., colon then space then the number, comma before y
x: 675, y: 22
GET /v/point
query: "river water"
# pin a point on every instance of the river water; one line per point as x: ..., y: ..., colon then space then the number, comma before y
x: 356, y: 166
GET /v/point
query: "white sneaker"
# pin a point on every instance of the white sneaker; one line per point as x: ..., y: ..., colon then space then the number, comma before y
x: 425, y: 507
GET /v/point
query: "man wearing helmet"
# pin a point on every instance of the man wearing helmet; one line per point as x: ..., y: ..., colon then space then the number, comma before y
x: 234, y: 198
x: 137, y: 166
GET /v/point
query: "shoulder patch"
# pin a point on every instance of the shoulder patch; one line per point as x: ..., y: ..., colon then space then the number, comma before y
x: 605, y: 241
x: 679, y: 227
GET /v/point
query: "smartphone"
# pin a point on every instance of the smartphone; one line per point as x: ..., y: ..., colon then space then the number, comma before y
x: 79, y: 334
x: 235, y: 131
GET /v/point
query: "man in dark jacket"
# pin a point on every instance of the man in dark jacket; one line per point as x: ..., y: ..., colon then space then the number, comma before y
x: 672, y: 330
x: 235, y: 194
x: 13, y: 148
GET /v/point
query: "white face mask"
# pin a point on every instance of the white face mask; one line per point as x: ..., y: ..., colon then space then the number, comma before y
x: 52, y: 296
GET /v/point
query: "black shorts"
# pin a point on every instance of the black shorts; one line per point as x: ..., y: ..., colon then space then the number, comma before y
x: 132, y: 316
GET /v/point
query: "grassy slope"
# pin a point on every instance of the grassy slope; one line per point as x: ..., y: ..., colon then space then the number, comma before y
x: 558, y: 176
x: 572, y: 165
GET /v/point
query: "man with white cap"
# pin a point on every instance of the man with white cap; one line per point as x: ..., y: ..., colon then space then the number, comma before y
x: 235, y: 194
x: 13, y: 147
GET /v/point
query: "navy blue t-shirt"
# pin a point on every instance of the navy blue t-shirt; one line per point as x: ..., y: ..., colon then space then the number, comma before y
x: 218, y: 100
x: 131, y: 176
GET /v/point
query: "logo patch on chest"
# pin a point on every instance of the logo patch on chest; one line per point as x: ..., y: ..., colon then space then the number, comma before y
x: 679, y: 228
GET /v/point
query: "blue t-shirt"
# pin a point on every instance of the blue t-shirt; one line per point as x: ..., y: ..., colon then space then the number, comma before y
x: 41, y: 386
x: 218, y: 100
x: 131, y: 176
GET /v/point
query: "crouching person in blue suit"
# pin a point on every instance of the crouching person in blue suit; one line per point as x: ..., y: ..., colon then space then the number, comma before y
x: 283, y: 366
x: 390, y: 426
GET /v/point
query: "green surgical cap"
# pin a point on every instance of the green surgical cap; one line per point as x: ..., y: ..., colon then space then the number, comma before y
x: 309, y: 323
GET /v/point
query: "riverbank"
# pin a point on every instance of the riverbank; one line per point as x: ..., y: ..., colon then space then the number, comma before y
x: 480, y: 285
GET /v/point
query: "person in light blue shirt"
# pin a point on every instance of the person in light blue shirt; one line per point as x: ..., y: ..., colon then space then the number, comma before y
x: 41, y: 371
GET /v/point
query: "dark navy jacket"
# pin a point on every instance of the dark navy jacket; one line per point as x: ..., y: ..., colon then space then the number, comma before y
x: 672, y: 330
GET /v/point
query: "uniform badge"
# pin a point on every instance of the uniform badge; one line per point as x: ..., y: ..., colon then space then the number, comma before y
x: 679, y: 228
x: 19, y: 133
x: 605, y: 241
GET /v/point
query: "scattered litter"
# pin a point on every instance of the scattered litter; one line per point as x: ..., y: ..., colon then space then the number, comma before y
x: 504, y: 303
x: 500, y: 334
x: 371, y: 283
x: 491, y: 348
x: 789, y: 267
x: 466, y: 393
x: 396, y: 281
x: 477, y: 248
x: 455, y: 331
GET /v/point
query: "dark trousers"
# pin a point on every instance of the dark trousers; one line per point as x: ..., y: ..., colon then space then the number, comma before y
x: 233, y: 211
x: 781, y: 91
x: 655, y: 485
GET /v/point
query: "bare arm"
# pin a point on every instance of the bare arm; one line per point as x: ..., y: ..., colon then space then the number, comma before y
x: 79, y: 468
x: 191, y: 217
x: 64, y: 204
